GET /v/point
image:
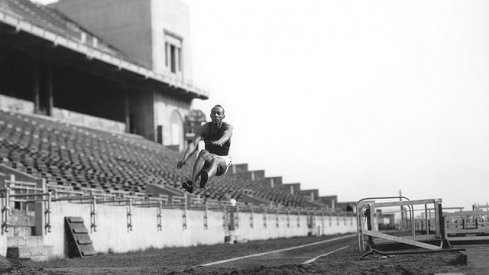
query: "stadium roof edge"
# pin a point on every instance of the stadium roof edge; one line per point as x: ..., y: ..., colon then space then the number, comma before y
x: 92, y: 53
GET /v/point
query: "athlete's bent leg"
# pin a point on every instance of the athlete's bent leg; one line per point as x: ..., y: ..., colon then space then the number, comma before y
x: 199, y: 164
x: 222, y: 167
x: 216, y: 166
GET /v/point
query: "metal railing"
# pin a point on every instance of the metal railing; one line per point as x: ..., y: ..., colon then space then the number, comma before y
x: 38, y: 197
x: 46, y: 194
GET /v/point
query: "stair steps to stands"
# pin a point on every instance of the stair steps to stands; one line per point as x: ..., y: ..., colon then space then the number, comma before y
x: 33, y: 253
x: 21, y: 244
x: 79, y: 242
x: 25, y: 241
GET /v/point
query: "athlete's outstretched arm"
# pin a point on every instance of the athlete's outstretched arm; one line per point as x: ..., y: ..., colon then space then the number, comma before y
x: 225, y: 136
x: 191, y: 148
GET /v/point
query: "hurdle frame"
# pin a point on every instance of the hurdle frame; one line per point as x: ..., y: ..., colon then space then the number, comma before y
x: 366, y: 208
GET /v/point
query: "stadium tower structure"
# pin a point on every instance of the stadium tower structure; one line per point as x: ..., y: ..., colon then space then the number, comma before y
x: 120, y: 65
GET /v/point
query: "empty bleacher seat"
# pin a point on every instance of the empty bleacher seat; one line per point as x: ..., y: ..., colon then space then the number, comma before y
x: 84, y: 159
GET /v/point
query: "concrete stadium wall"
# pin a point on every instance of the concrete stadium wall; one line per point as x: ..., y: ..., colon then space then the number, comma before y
x: 88, y: 121
x: 136, y: 27
x: 329, y: 225
x: 113, y: 235
x: 126, y: 24
x: 265, y: 226
x: 290, y: 225
x: 171, y: 16
x: 13, y: 104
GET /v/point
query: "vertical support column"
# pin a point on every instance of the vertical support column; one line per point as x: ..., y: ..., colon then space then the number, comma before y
x: 5, y: 211
x: 370, y: 216
x: 47, y: 213
x: 42, y: 87
x: 129, y: 216
x: 412, y: 220
x: 127, y: 112
x: 93, y: 215
x: 403, y: 217
x: 49, y: 90
x: 1, y: 69
x: 4, y: 225
x: 36, y: 87
x: 359, y: 216
x: 40, y: 218
x: 276, y: 220
x: 438, y: 215
x: 206, y: 226
x: 184, y: 214
x: 322, y: 223
x: 309, y: 221
x: 225, y: 218
x: 313, y: 219
x: 288, y: 218
x: 373, y: 223
x: 236, y: 217
x: 441, y: 223
x: 298, y: 219
x: 426, y: 219
x: 159, y: 226
x: 251, y: 217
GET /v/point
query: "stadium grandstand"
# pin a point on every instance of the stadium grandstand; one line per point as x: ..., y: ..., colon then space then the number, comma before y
x: 97, y: 102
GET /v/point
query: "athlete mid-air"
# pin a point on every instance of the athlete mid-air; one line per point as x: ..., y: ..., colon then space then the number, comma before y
x: 214, y: 160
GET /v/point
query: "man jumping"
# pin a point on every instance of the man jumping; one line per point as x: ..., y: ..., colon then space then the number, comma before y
x: 214, y: 159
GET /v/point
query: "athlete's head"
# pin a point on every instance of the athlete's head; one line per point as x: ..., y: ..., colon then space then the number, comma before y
x: 217, y: 114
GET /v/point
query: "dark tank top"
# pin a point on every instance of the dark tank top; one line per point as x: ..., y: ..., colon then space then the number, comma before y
x: 213, y: 135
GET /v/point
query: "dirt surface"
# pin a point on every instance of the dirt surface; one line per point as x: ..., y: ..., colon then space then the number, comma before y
x: 344, y: 260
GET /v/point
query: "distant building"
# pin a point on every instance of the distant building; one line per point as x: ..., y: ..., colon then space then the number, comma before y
x: 310, y: 195
x: 385, y: 221
x: 329, y: 200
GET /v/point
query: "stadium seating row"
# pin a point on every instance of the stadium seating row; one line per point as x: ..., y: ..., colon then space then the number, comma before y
x: 68, y: 155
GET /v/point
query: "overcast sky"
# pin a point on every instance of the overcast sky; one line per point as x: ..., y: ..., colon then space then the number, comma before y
x: 355, y: 98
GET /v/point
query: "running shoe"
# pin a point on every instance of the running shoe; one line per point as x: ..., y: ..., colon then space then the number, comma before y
x: 187, y: 185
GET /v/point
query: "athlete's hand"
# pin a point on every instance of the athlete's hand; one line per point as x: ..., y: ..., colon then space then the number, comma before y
x: 180, y: 164
x: 218, y: 143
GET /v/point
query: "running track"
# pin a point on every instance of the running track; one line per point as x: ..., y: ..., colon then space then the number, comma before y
x: 301, y: 254
x: 203, y: 259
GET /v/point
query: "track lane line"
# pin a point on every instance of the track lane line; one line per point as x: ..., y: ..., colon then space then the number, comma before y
x: 277, y: 251
x: 325, y: 254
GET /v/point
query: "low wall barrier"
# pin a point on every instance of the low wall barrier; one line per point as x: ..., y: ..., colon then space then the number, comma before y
x: 123, y: 222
